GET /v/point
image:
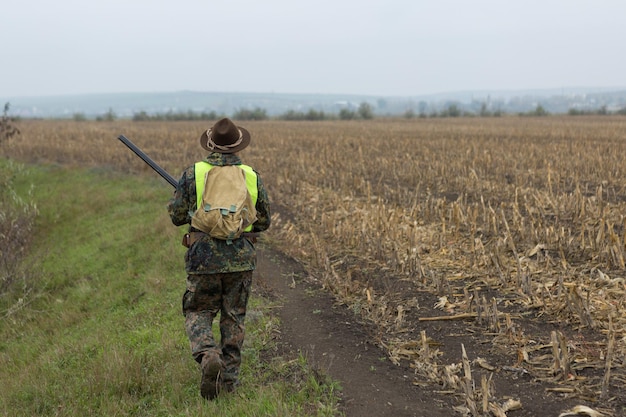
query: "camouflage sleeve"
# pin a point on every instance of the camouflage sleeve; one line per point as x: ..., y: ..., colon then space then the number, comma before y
x: 183, y: 202
x: 263, y: 213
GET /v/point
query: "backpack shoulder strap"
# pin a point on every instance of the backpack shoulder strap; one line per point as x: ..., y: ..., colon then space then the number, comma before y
x: 251, y: 182
x: 200, y: 170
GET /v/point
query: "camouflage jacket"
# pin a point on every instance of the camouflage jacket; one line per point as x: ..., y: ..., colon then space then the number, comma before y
x: 209, y: 255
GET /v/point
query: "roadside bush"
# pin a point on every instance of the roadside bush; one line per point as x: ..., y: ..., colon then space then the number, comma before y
x: 17, y: 219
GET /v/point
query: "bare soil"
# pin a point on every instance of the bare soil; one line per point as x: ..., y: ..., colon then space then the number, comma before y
x: 336, y: 342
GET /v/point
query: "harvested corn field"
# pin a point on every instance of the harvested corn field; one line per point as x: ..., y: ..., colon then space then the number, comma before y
x: 487, y: 255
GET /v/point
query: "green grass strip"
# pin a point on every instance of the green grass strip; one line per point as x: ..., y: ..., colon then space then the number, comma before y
x: 101, y: 333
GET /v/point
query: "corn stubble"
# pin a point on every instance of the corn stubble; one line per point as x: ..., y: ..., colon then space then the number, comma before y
x: 531, y: 209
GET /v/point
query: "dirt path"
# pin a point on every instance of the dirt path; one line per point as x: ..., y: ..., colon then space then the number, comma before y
x: 336, y: 344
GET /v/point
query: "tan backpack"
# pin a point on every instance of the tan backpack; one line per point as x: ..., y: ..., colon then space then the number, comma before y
x: 226, y: 207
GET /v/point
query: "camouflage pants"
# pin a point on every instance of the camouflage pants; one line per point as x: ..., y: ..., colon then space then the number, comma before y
x: 207, y: 295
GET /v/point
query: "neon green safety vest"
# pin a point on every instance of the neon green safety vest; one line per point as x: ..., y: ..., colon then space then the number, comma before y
x: 201, y: 169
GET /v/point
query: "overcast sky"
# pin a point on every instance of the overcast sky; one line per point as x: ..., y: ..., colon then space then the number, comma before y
x: 377, y: 47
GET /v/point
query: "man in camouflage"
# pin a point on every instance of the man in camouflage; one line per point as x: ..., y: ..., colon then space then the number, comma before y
x: 219, y: 272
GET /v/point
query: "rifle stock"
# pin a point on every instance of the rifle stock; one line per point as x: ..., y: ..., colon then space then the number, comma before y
x: 164, y: 174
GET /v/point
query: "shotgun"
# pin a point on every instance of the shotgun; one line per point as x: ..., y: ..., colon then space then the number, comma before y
x: 163, y: 173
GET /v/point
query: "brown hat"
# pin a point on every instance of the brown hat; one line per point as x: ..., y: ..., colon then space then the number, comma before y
x: 225, y: 137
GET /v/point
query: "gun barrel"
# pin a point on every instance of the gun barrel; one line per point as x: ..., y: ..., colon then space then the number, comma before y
x: 148, y: 161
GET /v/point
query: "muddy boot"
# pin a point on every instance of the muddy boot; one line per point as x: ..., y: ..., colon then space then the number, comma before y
x: 212, y: 370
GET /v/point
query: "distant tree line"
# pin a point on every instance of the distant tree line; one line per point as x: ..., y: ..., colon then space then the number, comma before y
x: 601, y: 111
x: 310, y: 115
x: 365, y: 111
x: 256, y: 114
x: 189, y: 115
x: 454, y: 110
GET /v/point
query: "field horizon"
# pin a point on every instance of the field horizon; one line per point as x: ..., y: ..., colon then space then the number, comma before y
x: 127, y: 104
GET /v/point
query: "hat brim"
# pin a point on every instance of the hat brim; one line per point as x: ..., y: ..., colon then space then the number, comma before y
x: 245, y: 141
